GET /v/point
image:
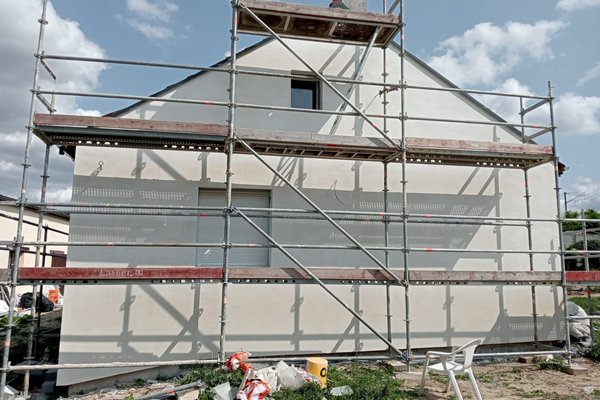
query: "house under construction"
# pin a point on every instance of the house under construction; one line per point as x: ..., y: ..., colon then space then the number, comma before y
x: 323, y: 191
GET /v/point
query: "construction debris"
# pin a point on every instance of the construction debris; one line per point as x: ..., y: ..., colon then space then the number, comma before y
x: 171, y: 393
x: 341, y: 391
x: 259, y: 384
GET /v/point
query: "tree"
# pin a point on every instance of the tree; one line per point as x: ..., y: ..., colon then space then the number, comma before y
x: 576, y: 226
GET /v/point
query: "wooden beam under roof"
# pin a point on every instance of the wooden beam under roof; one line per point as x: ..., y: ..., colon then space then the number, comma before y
x: 192, y: 136
x: 318, y: 23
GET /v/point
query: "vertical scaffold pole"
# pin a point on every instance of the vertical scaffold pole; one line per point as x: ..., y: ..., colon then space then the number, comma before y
x: 404, y: 187
x: 386, y: 227
x: 529, y: 231
x: 22, y: 200
x: 35, y: 305
x: 229, y: 174
x: 586, y: 265
x: 561, y: 241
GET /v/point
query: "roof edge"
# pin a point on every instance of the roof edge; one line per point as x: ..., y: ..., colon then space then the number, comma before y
x: 241, y: 53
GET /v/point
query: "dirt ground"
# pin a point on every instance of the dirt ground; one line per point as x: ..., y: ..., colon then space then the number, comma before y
x: 515, y: 380
x: 498, y: 381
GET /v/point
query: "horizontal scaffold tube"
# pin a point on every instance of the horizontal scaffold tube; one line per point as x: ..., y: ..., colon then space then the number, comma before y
x: 280, y: 75
x: 300, y: 246
x: 289, y: 357
x: 295, y: 210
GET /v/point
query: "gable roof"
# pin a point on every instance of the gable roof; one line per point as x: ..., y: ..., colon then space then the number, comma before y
x: 225, y: 61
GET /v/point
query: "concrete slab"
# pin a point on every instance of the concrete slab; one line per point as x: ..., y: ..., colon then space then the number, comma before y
x: 193, y: 395
x: 576, y: 370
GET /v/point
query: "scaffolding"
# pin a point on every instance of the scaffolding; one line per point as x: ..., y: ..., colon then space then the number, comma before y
x: 278, y: 21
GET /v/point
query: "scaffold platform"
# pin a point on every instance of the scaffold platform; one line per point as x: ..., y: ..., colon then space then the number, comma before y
x: 318, y: 23
x: 70, y: 130
x: 254, y: 275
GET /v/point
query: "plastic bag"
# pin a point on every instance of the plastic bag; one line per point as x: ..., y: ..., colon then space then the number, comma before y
x: 254, y: 389
x: 27, y: 299
x: 236, y: 361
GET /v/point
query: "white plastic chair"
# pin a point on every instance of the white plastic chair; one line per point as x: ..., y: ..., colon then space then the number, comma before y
x: 450, y: 367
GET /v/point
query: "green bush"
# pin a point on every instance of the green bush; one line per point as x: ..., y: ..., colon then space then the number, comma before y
x: 594, y: 350
x: 576, y: 226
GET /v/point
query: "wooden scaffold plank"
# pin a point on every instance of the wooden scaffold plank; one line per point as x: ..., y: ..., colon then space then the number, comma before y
x: 244, y: 275
x: 187, y: 136
x: 318, y: 23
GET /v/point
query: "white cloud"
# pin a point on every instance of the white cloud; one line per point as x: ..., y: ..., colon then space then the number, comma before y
x: 586, y: 194
x: 154, y: 10
x: 8, y: 167
x: 507, y: 107
x: 571, y: 5
x: 19, y: 32
x: 152, y: 18
x: 151, y: 31
x: 59, y: 195
x: 590, y: 75
x: 578, y: 115
x: 486, y: 53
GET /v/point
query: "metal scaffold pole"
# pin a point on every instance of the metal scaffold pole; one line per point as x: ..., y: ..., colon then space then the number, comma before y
x: 354, y: 241
x: 22, y: 201
x: 586, y: 265
x: 529, y: 231
x: 319, y: 75
x: 35, y: 305
x: 233, y: 138
x: 404, y: 187
x: 386, y: 189
x: 561, y: 240
x: 228, y: 177
x: 319, y: 282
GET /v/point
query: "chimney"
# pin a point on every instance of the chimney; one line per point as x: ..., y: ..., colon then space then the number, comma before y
x: 358, y: 5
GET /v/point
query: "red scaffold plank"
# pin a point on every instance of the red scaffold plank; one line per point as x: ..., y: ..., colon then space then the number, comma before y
x: 583, y: 276
x: 275, y: 275
x: 108, y: 274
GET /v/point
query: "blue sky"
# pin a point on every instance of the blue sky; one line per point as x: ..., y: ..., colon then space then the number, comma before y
x: 510, y: 45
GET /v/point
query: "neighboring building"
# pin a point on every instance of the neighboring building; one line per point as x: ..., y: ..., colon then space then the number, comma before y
x: 572, y: 237
x: 55, y: 228
x: 154, y: 322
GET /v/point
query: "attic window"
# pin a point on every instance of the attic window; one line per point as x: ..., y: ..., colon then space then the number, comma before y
x: 306, y: 93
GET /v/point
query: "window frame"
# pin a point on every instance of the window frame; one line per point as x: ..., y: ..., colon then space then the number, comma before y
x: 309, y: 83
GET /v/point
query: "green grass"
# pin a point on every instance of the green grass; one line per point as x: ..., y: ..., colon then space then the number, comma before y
x: 533, y: 394
x: 308, y: 392
x: 368, y: 383
x: 211, y: 376
x: 373, y: 382
x: 582, y: 301
x: 594, y: 351
x: 486, y: 378
x: 555, y: 364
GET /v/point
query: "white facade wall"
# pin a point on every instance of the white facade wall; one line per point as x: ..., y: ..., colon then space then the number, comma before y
x: 123, y: 323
